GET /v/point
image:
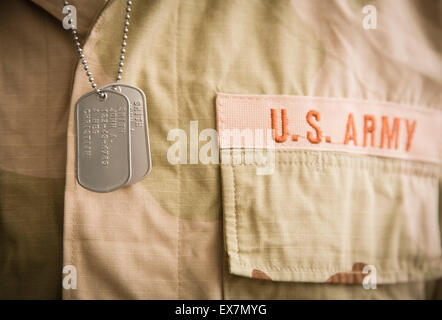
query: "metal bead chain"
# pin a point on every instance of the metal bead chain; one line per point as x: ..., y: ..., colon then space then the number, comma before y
x: 122, y: 56
x: 123, y: 43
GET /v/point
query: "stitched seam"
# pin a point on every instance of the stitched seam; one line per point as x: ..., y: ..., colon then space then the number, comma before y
x: 354, y: 152
x: 178, y: 167
x: 235, y: 221
x: 225, y: 288
x: 74, y: 214
x: 388, y: 104
x: 327, y: 270
x: 315, y: 166
x: 411, y: 169
x: 312, y: 165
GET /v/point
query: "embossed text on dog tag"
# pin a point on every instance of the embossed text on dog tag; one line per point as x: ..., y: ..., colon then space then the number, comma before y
x: 140, y: 149
x: 103, y: 141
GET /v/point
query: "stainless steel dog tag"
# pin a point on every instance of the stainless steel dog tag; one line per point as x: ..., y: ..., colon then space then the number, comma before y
x: 103, y: 141
x: 140, y: 149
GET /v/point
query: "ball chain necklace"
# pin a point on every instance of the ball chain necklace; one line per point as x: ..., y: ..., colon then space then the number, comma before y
x: 111, y: 127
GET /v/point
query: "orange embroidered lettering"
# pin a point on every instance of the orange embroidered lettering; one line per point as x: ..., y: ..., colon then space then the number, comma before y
x: 410, y: 130
x: 276, y: 136
x: 350, y: 134
x: 314, y: 114
x: 394, y: 134
x: 369, y: 129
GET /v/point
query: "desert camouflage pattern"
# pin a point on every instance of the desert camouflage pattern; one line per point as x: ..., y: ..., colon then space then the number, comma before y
x: 326, y: 215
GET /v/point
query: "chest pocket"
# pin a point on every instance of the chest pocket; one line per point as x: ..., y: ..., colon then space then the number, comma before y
x: 327, y: 211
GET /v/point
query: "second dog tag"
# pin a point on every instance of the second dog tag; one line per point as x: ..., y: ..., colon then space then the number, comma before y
x: 140, y: 149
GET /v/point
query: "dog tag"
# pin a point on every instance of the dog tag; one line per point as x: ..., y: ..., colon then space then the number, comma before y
x: 103, y: 141
x: 140, y: 149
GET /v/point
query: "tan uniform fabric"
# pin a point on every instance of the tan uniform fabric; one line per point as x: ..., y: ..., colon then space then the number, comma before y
x: 36, y: 67
x: 163, y: 237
